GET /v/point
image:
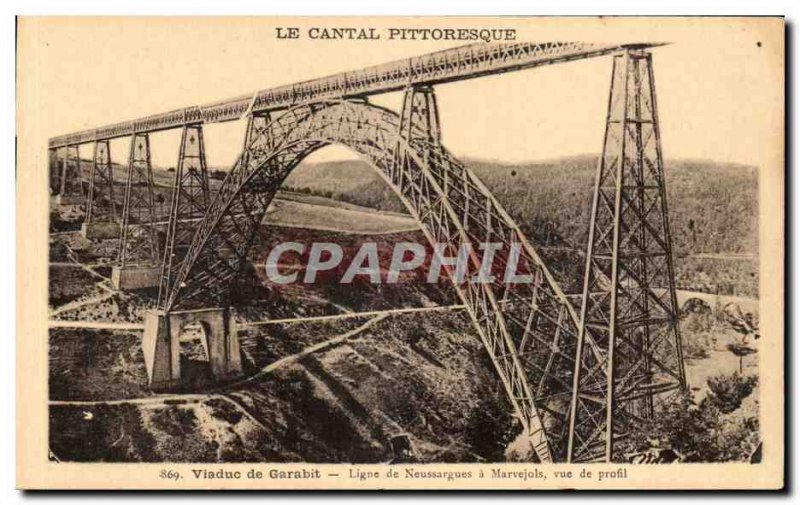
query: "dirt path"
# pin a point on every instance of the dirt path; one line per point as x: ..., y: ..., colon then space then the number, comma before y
x: 725, y: 256
x: 102, y: 284
x: 350, y: 315
x: 104, y: 325
x: 66, y: 264
x: 177, y: 399
x: 80, y: 303
x: 244, y: 409
x: 322, y: 346
x: 162, y: 401
x: 71, y: 256
x: 95, y: 325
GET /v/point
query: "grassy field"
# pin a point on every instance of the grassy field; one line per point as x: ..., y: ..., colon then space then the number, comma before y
x: 290, y: 209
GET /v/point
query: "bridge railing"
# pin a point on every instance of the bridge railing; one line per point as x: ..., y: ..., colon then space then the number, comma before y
x: 448, y: 65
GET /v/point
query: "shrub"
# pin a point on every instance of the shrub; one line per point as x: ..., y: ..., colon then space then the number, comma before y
x: 700, y: 433
x: 490, y: 428
x: 217, y: 174
x: 728, y: 391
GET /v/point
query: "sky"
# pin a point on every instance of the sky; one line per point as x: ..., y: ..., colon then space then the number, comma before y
x: 719, y: 89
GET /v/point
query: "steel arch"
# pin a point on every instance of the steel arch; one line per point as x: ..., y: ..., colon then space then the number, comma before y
x: 529, y: 329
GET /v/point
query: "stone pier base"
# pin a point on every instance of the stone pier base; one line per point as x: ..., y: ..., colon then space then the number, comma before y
x: 69, y: 199
x: 135, y: 277
x: 161, y: 345
x: 100, y: 230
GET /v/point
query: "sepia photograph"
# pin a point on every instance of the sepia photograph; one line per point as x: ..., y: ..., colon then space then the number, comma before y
x: 321, y: 253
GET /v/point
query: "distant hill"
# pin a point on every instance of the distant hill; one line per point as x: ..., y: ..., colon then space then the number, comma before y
x: 713, y: 210
x: 712, y: 206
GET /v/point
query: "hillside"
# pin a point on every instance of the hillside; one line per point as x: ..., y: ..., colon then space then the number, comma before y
x: 333, y: 373
x: 713, y: 208
x: 316, y: 390
x: 348, y: 373
x: 713, y: 205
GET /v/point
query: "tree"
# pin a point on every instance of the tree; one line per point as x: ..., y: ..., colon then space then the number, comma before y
x: 715, y: 430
